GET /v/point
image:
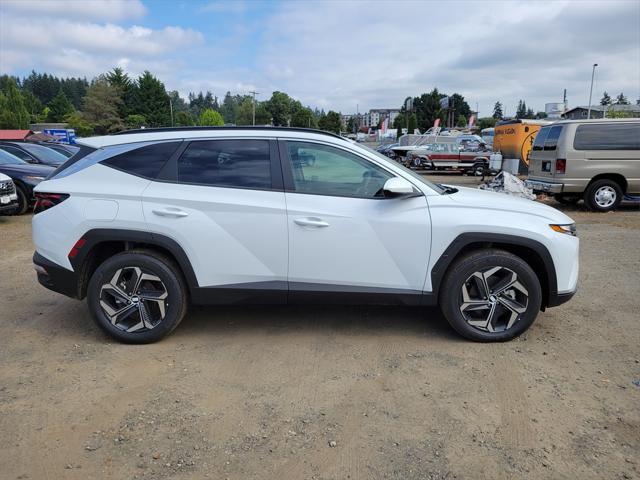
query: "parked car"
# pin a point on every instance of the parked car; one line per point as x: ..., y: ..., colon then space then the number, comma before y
x: 66, y: 150
x: 34, y: 153
x: 25, y: 176
x: 8, y: 195
x: 449, y: 156
x: 594, y: 160
x: 141, y: 226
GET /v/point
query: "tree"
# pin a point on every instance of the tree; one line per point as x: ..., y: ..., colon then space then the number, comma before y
x: 541, y: 115
x: 413, y: 123
x: 399, y: 123
x: 125, y: 89
x: 59, y: 107
x: 135, y: 121
x: 352, y: 125
x: 497, y: 111
x: 76, y: 121
x: 211, y: 118
x: 426, y: 108
x: 151, y: 100
x: 229, y: 108
x: 521, y: 111
x: 244, y: 112
x: 530, y: 113
x: 183, y: 119
x: 101, y: 107
x: 606, y: 99
x: 331, y: 122
x: 304, y: 117
x: 13, y: 113
x: 462, y: 121
x: 621, y: 99
x: 279, y: 106
x: 487, y: 122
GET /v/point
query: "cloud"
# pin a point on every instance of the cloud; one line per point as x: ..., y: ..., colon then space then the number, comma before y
x: 83, y: 9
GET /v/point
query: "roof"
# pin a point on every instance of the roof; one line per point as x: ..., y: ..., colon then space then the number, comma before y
x: 528, y: 121
x: 14, y: 134
x: 598, y: 120
x: 179, y: 133
x: 600, y: 108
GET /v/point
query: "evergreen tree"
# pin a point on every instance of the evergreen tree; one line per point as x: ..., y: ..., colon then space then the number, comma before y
x: 521, y: 111
x: 59, y: 107
x: 497, y: 111
x: 279, y: 106
x: 101, y: 107
x: 606, y: 99
x: 331, y: 122
x: 124, y: 88
x: 530, y: 113
x: 183, y: 119
x: 151, y: 100
x: 211, y: 118
x: 304, y: 117
x: 229, y: 108
x: 13, y: 113
x: 413, y: 123
x: 621, y: 99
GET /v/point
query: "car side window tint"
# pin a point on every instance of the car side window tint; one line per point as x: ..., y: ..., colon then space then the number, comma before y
x: 622, y: 136
x: 145, y: 161
x: 21, y: 154
x: 551, y: 142
x: 324, y: 170
x: 226, y: 163
x: 541, y: 136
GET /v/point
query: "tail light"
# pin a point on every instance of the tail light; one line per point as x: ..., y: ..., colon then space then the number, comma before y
x: 44, y: 201
x: 561, y: 165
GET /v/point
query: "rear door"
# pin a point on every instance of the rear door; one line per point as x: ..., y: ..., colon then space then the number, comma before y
x: 544, y: 152
x: 222, y: 201
x: 345, y: 237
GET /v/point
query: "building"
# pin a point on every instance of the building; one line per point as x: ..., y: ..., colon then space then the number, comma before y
x: 377, y: 115
x: 597, y: 111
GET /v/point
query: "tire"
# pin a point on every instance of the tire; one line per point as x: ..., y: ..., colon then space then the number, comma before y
x: 23, y: 202
x: 476, y: 170
x: 510, y: 312
x: 161, y: 280
x: 567, y: 199
x: 603, y: 195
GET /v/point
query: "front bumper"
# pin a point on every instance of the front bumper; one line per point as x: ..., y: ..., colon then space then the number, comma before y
x: 56, y: 278
x: 540, y: 186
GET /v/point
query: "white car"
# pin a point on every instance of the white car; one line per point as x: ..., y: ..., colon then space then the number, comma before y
x: 8, y: 195
x: 145, y: 222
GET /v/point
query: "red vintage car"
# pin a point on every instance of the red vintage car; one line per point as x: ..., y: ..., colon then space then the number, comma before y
x: 450, y: 156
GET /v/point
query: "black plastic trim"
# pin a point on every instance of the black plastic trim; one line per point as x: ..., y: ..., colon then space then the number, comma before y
x: 465, y: 239
x: 560, y: 298
x: 57, y: 278
x: 305, y: 293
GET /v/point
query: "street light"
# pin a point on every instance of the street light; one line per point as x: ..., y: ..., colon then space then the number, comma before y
x: 593, y: 72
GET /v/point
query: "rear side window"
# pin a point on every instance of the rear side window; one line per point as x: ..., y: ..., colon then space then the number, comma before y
x: 541, y: 136
x: 144, y: 161
x: 226, y: 163
x: 551, y: 142
x: 624, y: 136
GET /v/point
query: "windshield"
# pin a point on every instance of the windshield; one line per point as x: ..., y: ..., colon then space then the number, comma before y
x: 45, y: 154
x: 418, y: 177
x: 8, y: 159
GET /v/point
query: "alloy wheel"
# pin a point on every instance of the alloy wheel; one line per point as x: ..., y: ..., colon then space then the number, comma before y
x: 134, y: 300
x: 605, y: 196
x: 493, y: 300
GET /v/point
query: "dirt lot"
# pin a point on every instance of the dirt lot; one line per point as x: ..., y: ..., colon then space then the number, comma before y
x: 244, y: 393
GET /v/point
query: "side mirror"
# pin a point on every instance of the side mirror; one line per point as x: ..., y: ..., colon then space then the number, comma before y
x: 398, y: 187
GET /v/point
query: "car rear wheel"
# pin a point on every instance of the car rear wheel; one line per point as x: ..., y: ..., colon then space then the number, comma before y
x: 137, y: 296
x: 490, y: 296
x: 603, y: 195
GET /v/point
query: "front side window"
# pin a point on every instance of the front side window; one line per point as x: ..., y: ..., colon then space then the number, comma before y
x: 324, y: 170
x: 226, y: 163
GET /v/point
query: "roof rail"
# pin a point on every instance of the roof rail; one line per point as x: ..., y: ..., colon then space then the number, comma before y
x: 250, y: 127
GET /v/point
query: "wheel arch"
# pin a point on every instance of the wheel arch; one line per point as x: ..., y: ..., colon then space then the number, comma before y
x: 615, y: 177
x: 531, y: 251
x: 101, y: 244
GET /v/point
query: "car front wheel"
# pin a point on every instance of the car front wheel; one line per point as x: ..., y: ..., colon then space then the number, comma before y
x: 137, y: 296
x: 490, y: 296
x: 603, y: 195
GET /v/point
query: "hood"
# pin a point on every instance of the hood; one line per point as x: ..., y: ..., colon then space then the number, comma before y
x: 26, y: 169
x: 489, y: 200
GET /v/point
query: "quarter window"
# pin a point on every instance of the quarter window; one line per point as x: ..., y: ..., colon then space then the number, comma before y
x: 324, y: 170
x: 541, y: 136
x: 623, y: 136
x: 145, y: 161
x: 227, y: 163
x: 551, y: 142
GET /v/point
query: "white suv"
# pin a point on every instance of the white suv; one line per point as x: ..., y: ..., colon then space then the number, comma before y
x: 144, y: 222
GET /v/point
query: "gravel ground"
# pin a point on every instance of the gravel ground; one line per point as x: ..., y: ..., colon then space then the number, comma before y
x: 326, y: 392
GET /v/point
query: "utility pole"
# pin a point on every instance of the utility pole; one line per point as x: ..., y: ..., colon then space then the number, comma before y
x: 254, y: 93
x: 171, y: 109
x: 593, y: 72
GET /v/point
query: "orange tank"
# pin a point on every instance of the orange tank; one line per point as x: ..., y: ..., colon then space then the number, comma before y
x: 514, y: 138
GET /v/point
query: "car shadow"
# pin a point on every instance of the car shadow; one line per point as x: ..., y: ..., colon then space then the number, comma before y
x: 347, y: 320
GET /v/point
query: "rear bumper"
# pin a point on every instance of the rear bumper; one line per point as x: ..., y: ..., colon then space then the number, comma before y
x: 56, y: 278
x: 560, y: 298
x: 544, y: 187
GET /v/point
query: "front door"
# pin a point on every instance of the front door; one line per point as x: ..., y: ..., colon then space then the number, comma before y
x: 345, y: 237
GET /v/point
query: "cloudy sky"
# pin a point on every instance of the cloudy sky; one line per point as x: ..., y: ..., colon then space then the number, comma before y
x: 338, y: 54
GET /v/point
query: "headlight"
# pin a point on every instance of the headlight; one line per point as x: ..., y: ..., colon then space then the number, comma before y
x: 34, y: 178
x: 569, y: 229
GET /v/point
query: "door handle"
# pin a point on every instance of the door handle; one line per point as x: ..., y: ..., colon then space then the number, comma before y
x: 171, y: 212
x: 311, y: 222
